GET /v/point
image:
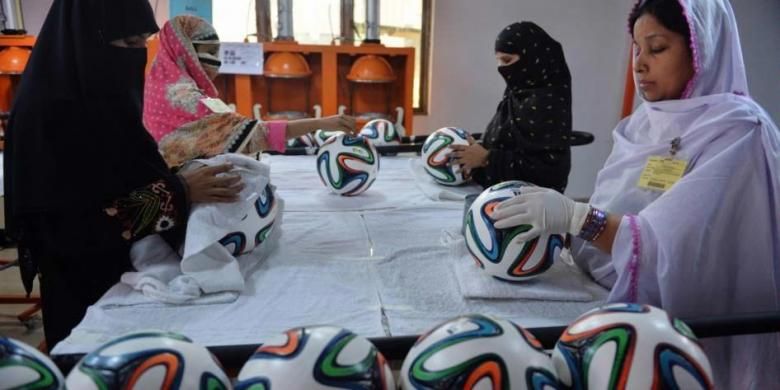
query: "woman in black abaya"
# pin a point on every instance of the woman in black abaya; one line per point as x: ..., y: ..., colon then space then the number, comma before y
x: 528, y: 137
x: 83, y: 178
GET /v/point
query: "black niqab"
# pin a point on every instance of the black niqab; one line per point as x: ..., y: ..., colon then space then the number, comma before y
x: 75, y: 139
x: 532, y: 124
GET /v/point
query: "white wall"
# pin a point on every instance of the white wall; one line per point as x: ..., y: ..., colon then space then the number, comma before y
x: 465, y: 86
x: 34, y: 12
x: 759, y: 30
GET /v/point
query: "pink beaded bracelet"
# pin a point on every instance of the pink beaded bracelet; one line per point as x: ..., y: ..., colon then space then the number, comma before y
x: 633, y: 265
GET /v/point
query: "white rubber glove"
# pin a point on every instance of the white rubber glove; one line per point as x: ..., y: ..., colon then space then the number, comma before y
x: 545, y: 210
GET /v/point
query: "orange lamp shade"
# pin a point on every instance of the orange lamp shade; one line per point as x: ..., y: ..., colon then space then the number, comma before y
x: 371, y: 69
x: 286, y: 65
x: 13, y: 60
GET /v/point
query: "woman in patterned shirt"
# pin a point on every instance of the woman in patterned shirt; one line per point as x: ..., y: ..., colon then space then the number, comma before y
x: 178, y: 88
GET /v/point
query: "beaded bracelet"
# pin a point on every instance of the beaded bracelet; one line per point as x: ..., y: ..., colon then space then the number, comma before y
x: 594, y: 225
x: 633, y: 265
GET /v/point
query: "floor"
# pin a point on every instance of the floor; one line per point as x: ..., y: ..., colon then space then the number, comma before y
x: 11, y: 284
x: 30, y: 332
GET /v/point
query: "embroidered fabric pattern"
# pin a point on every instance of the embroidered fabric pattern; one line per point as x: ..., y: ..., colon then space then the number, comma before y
x: 633, y: 265
x: 206, y: 138
x: 145, y: 211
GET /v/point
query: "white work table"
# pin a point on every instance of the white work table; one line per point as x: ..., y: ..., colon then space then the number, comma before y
x: 375, y: 264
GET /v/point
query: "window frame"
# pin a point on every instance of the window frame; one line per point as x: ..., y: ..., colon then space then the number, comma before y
x: 425, y: 47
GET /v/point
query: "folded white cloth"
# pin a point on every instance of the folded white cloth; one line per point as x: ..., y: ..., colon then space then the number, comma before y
x: 561, y: 282
x: 222, y: 244
x: 436, y: 191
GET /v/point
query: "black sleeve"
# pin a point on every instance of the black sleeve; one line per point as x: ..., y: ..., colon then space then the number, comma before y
x: 545, y: 168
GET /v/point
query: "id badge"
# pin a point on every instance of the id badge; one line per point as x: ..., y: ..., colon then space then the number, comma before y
x: 661, y: 173
x: 216, y: 106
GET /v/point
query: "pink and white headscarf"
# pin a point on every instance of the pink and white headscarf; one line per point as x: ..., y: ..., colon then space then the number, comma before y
x: 177, y: 82
x: 710, y: 245
x: 183, y: 126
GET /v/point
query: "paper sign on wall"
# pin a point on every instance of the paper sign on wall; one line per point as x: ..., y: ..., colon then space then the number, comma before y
x: 241, y: 58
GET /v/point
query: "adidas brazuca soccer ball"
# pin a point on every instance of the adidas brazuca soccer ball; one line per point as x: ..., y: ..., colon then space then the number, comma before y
x: 497, y: 251
x: 381, y: 132
x: 630, y: 346
x: 348, y: 165
x: 149, y: 360
x: 436, y: 151
x: 312, y: 358
x: 24, y: 367
x: 478, y: 352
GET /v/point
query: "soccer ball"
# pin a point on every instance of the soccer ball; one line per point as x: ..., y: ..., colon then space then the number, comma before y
x: 149, y: 360
x: 630, y: 346
x: 477, y: 352
x: 322, y: 357
x: 347, y: 164
x: 24, y: 367
x: 495, y: 250
x: 320, y: 136
x: 304, y: 141
x: 381, y: 132
x: 256, y: 225
x: 436, y: 155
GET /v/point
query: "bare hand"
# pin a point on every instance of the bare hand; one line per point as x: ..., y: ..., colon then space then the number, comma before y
x: 299, y: 127
x: 469, y: 157
x: 212, y: 184
x: 343, y: 123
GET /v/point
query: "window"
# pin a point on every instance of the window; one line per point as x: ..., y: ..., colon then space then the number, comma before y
x: 404, y: 23
x: 314, y: 21
x: 234, y: 20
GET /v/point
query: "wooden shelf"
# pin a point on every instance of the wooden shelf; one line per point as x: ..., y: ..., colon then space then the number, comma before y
x: 327, y: 87
x: 9, y: 82
x: 17, y: 40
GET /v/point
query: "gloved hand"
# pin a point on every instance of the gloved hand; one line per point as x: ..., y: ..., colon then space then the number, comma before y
x: 545, y: 210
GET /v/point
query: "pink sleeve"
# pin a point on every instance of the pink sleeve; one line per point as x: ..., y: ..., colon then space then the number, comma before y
x: 277, y: 135
x: 635, y: 257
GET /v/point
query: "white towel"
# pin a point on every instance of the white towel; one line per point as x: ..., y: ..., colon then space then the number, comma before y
x: 207, y: 272
x: 436, y: 191
x: 561, y: 282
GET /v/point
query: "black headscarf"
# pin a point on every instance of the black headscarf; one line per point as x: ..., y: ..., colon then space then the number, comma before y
x: 75, y: 139
x: 528, y: 135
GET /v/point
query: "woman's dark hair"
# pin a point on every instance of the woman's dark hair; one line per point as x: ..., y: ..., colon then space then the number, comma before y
x: 668, y: 12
